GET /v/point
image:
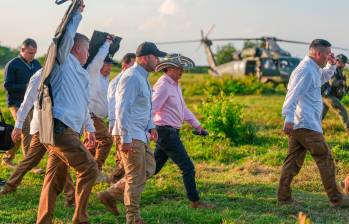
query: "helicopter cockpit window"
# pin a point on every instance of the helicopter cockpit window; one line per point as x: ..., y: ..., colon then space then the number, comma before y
x: 269, y: 64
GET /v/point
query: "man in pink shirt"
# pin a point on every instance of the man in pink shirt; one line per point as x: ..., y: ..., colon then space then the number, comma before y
x: 169, y: 112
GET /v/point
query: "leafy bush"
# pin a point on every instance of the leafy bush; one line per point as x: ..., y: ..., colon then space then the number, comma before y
x: 246, y: 86
x: 213, y: 86
x: 224, y: 119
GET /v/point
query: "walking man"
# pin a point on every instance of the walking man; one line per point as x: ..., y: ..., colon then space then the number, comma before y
x: 99, y: 71
x: 127, y: 61
x: 36, y: 150
x: 302, y: 111
x: 334, y: 90
x: 16, y: 77
x: 170, y: 112
x: 134, y: 124
x: 70, y: 92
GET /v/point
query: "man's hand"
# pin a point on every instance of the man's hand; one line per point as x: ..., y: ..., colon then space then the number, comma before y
x: 331, y: 59
x: 110, y: 38
x: 153, y: 135
x: 16, y: 134
x: 200, y: 131
x: 288, y: 128
x: 90, y: 141
x: 81, y: 7
x: 126, y: 147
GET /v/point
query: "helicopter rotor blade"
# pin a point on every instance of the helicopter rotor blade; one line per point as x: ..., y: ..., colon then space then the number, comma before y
x: 235, y: 39
x: 210, y: 30
x: 306, y: 43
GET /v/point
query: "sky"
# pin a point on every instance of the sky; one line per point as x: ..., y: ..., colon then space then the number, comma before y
x: 165, y: 20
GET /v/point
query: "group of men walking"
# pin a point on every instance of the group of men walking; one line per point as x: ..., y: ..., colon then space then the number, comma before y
x: 82, y: 98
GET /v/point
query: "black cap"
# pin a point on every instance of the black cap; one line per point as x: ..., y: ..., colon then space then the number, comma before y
x: 148, y: 48
x: 342, y: 58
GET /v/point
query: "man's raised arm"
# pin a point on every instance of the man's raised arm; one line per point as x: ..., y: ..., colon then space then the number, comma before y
x: 67, y: 40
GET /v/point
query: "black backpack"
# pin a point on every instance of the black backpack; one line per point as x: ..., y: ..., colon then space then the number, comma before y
x: 6, y: 142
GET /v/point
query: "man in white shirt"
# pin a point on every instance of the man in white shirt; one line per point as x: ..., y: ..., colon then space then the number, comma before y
x: 36, y: 150
x: 302, y: 110
x: 70, y: 93
x: 99, y: 70
x: 127, y: 61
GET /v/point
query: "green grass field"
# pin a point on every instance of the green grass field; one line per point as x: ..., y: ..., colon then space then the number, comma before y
x: 241, y: 180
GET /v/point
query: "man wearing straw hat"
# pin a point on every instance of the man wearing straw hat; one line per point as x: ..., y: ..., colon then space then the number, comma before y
x: 169, y: 112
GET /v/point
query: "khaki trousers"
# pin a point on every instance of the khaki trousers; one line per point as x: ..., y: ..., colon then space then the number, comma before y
x: 119, y: 171
x: 139, y: 166
x: 33, y: 158
x: 68, y: 151
x: 25, y: 138
x: 104, y: 142
x: 299, y: 143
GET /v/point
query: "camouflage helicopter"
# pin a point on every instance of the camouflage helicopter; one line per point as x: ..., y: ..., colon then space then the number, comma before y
x: 267, y: 61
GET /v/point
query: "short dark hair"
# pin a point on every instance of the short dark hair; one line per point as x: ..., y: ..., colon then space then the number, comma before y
x: 29, y: 42
x: 319, y: 43
x: 127, y: 58
x: 79, y: 38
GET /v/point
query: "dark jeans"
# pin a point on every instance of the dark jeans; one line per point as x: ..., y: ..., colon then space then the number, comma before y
x: 169, y: 145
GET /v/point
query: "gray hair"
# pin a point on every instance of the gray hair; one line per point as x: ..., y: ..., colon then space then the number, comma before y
x: 29, y: 42
x: 80, y: 38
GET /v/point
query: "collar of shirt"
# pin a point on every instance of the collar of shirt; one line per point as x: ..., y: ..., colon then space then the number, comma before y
x: 141, y: 70
x: 312, y: 62
x: 170, y: 80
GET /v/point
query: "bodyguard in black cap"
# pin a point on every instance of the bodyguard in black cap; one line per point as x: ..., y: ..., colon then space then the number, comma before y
x: 133, y: 130
x: 334, y: 90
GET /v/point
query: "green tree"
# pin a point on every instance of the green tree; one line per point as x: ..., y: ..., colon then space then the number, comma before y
x: 250, y: 44
x: 6, y: 54
x: 224, y: 53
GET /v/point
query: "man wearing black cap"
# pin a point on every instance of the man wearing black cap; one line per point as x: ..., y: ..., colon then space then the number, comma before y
x: 134, y: 125
x: 334, y: 90
x: 99, y: 70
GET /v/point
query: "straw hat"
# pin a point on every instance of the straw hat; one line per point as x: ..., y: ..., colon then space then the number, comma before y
x: 175, y: 60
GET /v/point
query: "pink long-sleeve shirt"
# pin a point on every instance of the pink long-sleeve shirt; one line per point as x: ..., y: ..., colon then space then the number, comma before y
x: 169, y: 107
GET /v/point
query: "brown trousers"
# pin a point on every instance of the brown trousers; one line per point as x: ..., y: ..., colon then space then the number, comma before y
x: 25, y: 138
x: 119, y: 171
x: 104, y: 142
x: 139, y: 166
x: 34, y: 156
x: 301, y: 141
x: 68, y: 151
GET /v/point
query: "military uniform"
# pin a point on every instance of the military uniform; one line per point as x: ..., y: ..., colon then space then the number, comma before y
x: 333, y: 91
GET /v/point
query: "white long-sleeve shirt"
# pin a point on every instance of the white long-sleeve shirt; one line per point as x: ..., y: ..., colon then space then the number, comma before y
x: 133, y: 106
x: 303, y: 102
x: 99, y: 83
x: 112, y: 100
x: 30, y: 100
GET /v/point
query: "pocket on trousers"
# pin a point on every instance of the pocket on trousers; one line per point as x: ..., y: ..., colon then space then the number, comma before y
x: 317, y: 146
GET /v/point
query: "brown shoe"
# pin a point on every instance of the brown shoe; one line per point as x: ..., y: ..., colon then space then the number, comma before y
x: 201, y: 205
x: 7, y: 190
x: 38, y: 171
x: 9, y: 164
x: 108, y: 201
x: 343, y: 203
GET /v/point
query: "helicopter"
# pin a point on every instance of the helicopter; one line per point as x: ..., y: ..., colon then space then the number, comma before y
x: 267, y: 61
